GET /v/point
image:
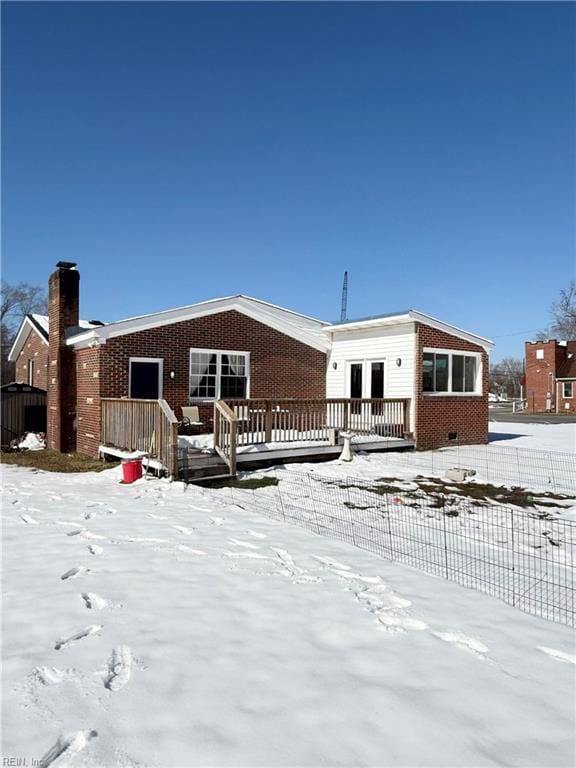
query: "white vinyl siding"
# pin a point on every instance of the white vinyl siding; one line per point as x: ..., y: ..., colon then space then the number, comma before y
x: 387, y: 345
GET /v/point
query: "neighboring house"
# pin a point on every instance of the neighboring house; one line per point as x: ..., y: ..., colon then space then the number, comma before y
x: 550, y: 371
x: 241, y: 347
x: 30, y: 350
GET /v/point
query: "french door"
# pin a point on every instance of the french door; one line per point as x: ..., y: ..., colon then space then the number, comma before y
x: 365, y: 380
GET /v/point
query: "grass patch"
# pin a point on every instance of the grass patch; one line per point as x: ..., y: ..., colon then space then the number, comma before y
x: 249, y: 484
x: 53, y: 461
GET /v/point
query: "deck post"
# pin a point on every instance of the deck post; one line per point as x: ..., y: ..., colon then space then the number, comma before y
x: 345, y: 416
x: 406, y: 418
x: 174, y: 450
x: 216, y: 427
x: 232, y: 462
x: 268, y: 422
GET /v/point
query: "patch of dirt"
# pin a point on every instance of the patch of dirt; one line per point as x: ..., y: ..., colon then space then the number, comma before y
x: 446, y: 494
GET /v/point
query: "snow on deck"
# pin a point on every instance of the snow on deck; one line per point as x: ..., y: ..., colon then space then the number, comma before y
x: 155, y: 625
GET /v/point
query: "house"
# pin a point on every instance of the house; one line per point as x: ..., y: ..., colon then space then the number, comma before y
x: 239, y: 347
x: 550, y: 376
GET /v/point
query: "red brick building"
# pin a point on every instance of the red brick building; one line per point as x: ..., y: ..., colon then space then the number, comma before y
x: 240, y: 347
x: 550, y: 372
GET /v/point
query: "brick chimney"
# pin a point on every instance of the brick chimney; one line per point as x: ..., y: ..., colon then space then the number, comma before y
x: 63, y: 313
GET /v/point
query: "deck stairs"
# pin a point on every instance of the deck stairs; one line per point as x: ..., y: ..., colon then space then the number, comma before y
x: 196, y: 466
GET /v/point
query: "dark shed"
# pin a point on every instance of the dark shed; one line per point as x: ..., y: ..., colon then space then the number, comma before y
x: 23, y: 410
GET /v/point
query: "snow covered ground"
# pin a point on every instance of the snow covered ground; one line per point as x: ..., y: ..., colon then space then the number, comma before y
x: 542, y: 437
x: 148, y: 625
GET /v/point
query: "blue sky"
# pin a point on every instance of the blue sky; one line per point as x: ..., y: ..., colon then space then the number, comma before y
x: 183, y: 151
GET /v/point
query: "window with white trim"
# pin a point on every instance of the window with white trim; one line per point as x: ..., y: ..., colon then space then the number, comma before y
x: 216, y: 374
x: 446, y: 372
x: 31, y: 372
x: 567, y: 389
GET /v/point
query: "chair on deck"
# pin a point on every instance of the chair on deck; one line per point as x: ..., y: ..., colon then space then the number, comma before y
x: 191, y: 416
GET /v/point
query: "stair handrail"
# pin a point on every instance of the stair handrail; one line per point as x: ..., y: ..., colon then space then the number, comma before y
x: 225, y: 434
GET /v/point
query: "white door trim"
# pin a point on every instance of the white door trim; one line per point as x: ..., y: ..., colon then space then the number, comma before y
x: 159, y: 360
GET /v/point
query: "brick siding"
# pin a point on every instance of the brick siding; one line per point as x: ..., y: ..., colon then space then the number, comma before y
x: 280, y: 366
x: 439, y: 415
x: 88, y: 400
x: 36, y: 349
x: 541, y: 386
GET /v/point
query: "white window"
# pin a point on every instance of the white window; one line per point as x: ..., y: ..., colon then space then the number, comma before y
x: 567, y: 389
x: 539, y: 354
x: 216, y: 374
x: 448, y: 372
x: 31, y: 372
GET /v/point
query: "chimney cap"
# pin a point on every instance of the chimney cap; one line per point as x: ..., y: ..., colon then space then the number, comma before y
x: 66, y: 264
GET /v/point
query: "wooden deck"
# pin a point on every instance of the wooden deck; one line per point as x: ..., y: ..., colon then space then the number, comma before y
x: 252, y: 433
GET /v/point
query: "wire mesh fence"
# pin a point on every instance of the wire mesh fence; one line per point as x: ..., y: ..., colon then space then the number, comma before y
x: 526, y: 467
x: 512, y: 554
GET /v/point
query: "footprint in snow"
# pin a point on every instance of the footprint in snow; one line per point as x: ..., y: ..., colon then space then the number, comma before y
x: 94, y: 601
x: 291, y: 569
x: 400, y: 623
x: 119, y: 668
x: 74, y: 572
x: 183, y: 529
x: 50, y: 675
x: 157, y: 517
x: 332, y: 563
x: 29, y: 520
x: 94, y: 549
x: 217, y: 520
x: 80, y: 635
x: 69, y: 744
x: 570, y: 658
x: 246, y: 544
x: 257, y: 535
x: 184, y: 548
x: 246, y: 555
x: 460, y: 640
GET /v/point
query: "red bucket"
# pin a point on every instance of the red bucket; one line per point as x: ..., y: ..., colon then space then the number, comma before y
x: 131, y: 470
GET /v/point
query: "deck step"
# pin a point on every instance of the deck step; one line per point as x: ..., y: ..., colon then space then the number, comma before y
x: 208, y: 480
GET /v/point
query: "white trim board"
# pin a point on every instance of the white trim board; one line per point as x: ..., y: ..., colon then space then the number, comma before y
x: 406, y: 317
x: 299, y: 327
x: 26, y: 326
x: 159, y: 360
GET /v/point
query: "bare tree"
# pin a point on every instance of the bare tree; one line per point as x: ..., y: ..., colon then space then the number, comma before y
x: 16, y: 301
x: 563, y: 312
x: 506, y: 376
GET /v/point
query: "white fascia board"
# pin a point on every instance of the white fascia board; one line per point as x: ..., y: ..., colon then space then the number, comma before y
x: 24, y: 330
x: 453, y: 330
x: 374, y: 322
x: 416, y: 317
x: 248, y: 307
x: 298, y: 317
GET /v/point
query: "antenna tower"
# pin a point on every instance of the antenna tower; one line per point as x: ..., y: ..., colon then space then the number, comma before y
x: 344, y: 308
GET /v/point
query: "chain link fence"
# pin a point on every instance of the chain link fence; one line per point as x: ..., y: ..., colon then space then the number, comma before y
x: 512, y: 554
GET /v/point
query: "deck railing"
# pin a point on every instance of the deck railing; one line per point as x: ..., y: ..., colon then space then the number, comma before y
x: 149, y: 426
x: 225, y: 434
x: 297, y: 420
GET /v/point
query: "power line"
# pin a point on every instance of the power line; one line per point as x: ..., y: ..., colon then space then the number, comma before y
x: 518, y: 333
